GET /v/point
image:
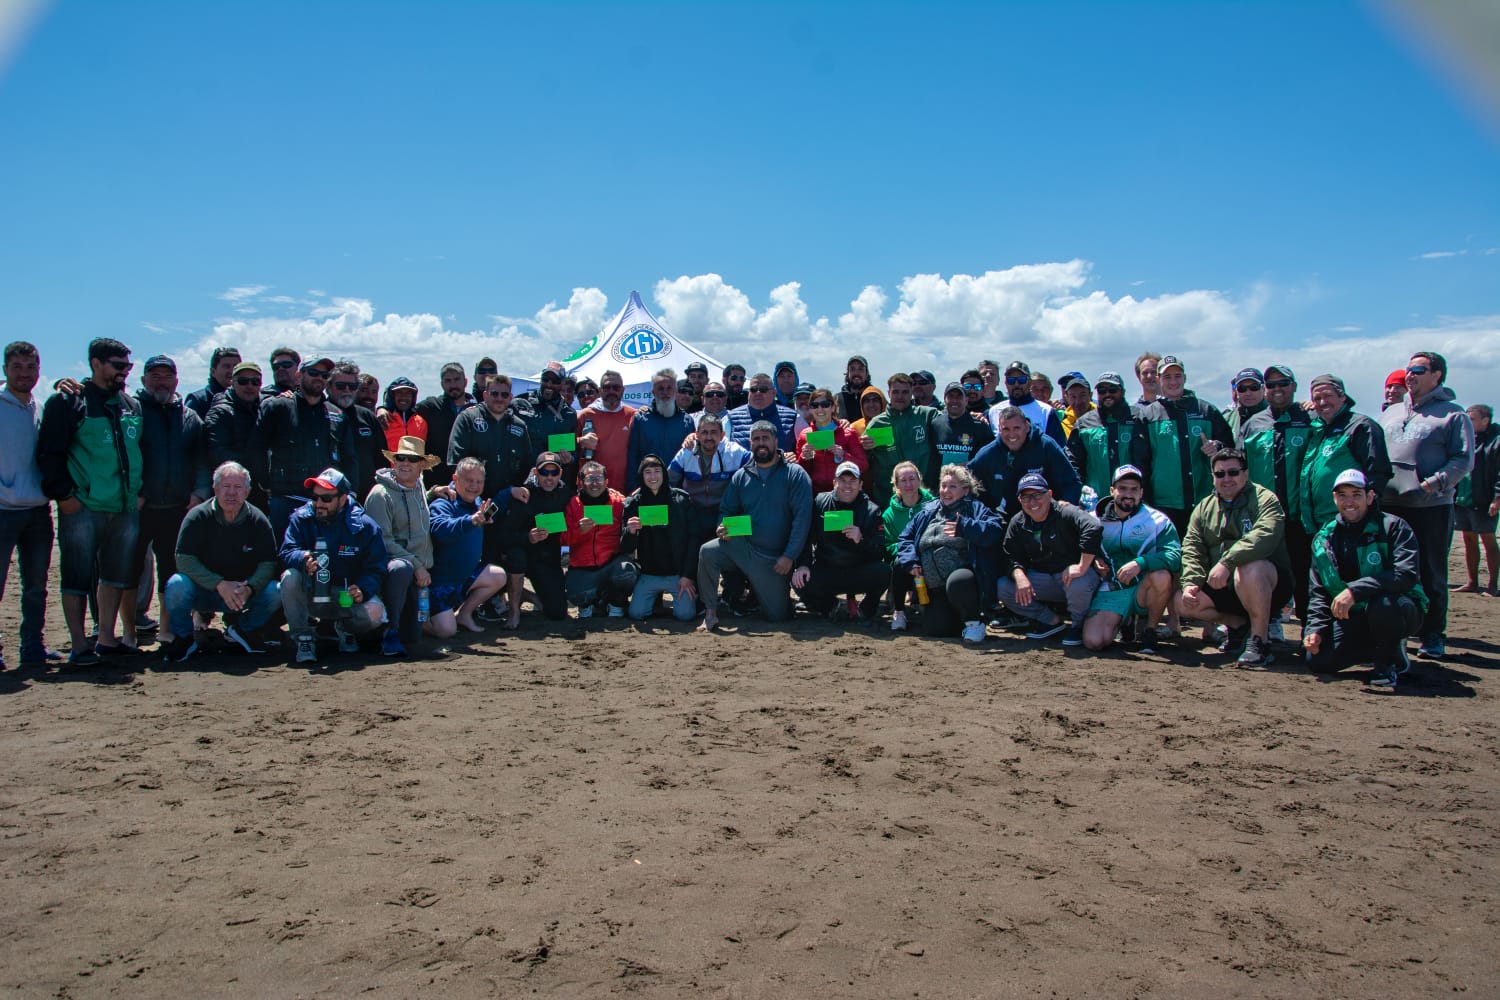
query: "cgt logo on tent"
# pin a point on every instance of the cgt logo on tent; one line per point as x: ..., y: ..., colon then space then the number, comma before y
x: 640, y: 344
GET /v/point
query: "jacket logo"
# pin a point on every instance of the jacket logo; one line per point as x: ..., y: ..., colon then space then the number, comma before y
x: 481, y: 426
x: 1372, y: 558
x: 1297, y: 440
x: 517, y: 431
x: 130, y: 431
x: 1246, y: 524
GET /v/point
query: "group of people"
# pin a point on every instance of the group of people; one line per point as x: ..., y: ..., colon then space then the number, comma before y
x: 1088, y: 517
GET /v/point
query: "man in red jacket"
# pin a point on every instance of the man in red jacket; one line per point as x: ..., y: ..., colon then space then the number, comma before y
x: 597, y: 572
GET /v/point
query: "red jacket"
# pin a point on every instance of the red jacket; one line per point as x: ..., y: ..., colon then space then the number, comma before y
x: 593, y: 548
x: 398, y: 427
x: 821, y: 466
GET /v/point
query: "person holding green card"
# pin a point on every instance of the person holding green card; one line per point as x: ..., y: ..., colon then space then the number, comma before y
x: 598, y: 573
x: 776, y: 499
x: 845, y: 551
x: 656, y: 533
x: 533, y: 532
x: 551, y: 423
x: 903, y: 433
x: 827, y: 443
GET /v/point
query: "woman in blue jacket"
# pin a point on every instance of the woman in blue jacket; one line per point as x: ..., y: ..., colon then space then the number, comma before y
x: 952, y: 543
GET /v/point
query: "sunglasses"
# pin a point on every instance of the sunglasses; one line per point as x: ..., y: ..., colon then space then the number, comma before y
x: 822, y: 404
x: 735, y: 378
x: 549, y: 473
x: 973, y: 387
x: 346, y: 385
x: 324, y: 497
x: 760, y: 388
x: 486, y: 371
x: 1412, y: 370
x: 716, y: 394
x: 1102, y: 389
x: 410, y: 458
x: 593, y: 478
x: 1281, y: 383
x: 1016, y: 379
x: 317, y: 373
x: 247, y: 381
x: 284, y: 364
x: 126, y: 366
x: 1226, y: 473
x: 589, y: 391
x: 502, y: 394
x: 553, y: 380
x: 1248, y: 387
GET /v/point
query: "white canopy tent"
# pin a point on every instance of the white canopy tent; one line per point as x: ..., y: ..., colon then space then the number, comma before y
x: 636, y: 346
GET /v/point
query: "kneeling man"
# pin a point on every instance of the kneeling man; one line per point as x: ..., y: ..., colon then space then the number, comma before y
x: 461, y: 579
x: 845, y: 551
x: 1051, y: 548
x: 1141, y: 552
x: 1364, y: 598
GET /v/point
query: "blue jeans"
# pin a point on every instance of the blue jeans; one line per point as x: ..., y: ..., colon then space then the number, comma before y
x: 28, y: 532
x: 182, y: 597
x: 643, y: 598
x: 93, y: 539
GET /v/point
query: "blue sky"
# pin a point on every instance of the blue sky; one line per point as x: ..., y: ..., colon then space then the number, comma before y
x: 926, y: 184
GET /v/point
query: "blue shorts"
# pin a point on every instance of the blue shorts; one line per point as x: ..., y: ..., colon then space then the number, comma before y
x: 448, y: 596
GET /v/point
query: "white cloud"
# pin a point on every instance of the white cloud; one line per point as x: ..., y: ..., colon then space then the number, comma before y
x: 242, y: 293
x: 1439, y: 254
x: 1347, y: 329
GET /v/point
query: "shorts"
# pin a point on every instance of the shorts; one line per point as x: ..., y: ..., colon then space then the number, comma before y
x: 90, y: 539
x: 1474, y: 521
x: 1227, y: 601
x: 1118, y: 601
x: 448, y: 597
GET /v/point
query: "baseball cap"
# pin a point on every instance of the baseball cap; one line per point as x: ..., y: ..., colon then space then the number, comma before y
x: 1018, y: 366
x: 1351, y: 477
x: 247, y: 366
x: 954, y: 387
x: 315, y: 363
x: 1032, y: 481
x: 848, y: 469
x: 696, y: 366
x: 1283, y: 369
x: 549, y: 458
x: 330, y: 479
x: 1109, y: 378
x: 804, y: 389
x: 162, y: 361
x: 1070, y: 378
x: 926, y: 376
x: 1169, y: 361
x: 1127, y: 472
x: 1247, y: 375
x: 1332, y: 380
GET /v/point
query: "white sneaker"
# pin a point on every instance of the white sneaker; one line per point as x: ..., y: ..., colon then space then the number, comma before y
x: 586, y: 611
x: 973, y: 632
x: 616, y: 612
x: 898, y: 621
x: 1275, y: 632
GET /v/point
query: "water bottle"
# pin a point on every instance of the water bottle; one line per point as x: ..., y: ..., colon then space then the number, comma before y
x: 588, y: 428
x: 1089, y: 500
x: 322, y: 579
x: 424, y: 604
x: 923, y: 598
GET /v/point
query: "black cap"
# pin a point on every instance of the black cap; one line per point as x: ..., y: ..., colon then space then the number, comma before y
x: 1018, y: 366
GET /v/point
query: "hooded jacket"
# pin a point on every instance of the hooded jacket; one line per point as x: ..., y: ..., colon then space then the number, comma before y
x: 89, y: 446
x: 1146, y: 536
x: 858, y: 424
x: 661, y: 549
x: 999, y: 470
x: 910, y: 429
x: 1349, y: 441
x: 785, y: 399
x: 356, y: 547
x: 231, y: 433
x: 1180, y: 474
x: 1483, y: 483
x: 171, y: 446
x: 1429, y: 442
x: 1103, y: 439
x: 404, y: 518
x: 977, y: 524
x: 20, y: 477
x: 400, y: 425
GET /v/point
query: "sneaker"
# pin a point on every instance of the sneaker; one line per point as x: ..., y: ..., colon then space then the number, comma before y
x: 1403, y: 662
x: 615, y: 611
x: 586, y: 611
x: 118, y: 650
x: 235, y: 636
x: 1233, y: 638
x: 1432, y: 649
x: 391, y: 644
x: 307, y: 649
x: 1275, y: 633
x: 83, y: 658
x: 898, y: 621
x: 1005, y: 620
x: 973, y: 632
x: 1048, y: 631
x: 179, y: 649
x: 32, y: 658
x: 1257, y: 654
x: 1383, y: 680
x: 347, y: 641
x: 145, y: 623
x: 1074, y: 636
x: 486, y: 613
x: 1146, y: 641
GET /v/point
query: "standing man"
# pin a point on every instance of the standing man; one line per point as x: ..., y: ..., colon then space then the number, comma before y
x: 924, y: 389
x: 715, y: 401
x: 956, y: 433
x: 1395, y: 389
x: 1275, y: 439
x: 1019, y: 396
x: 25, y: 517
x: 1431, y: 444
x: 496, y: 435
x: 989, y: 394
x: 284, y: 365
x: 911, y: 440
x: 777, y: 497
x: 763, y: 406
x: 364, y: 439
x: 439, y: 412
x: 697, y: 373
x: 856, y: 381
x: 89, y: 452
x: 1341, y: 439
x: 1184, y: 432
x: 1249, y: 399
x: 659, y: 429
x: 484, y: 370
x: 703, y: 472
x: 1147, y: 375
x: 231, y: 430
x: 300, y: 435
x: 734, y: 381
x: 220, y: 370
x: 1108, y: 436
x: 547, y: 413
x: 1478, y: 500
x: 1077, y: 400
x: 604, y: 429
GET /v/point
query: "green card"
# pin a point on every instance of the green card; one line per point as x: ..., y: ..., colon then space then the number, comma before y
x: 562, y: 442
x: 599, y: 513
x: 820, y: 440
x: 837, y: 520
x: 737, y: 526
x: 884, y: 437
x: 555, y: 524
x: 654, y: 515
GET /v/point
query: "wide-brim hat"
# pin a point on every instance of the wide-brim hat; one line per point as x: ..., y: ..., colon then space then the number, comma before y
x: 411, y: 446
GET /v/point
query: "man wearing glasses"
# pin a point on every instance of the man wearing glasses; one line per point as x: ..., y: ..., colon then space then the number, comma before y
x: 924, y: 389
x: 284, y: 370
x: 957, y: 433
x: 605, y: 428
x: 734, y: 381
x: 1235, y: 570
x: 345, y: 589
x: 1275, y: 441
x: 715, y: 401
x: 1108, y: 436
x: 1431, y: 441
x: 300, y: 434
x: 231, y: 428
x: 547, y: 413
x: 440, y: 412
x: 498, y: 436
x: 365, y: 436
x: 89, y: 452
x: 1018, y: 394
x: 763, y: 406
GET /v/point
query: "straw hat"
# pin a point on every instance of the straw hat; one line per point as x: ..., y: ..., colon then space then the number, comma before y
x: 412, y: 446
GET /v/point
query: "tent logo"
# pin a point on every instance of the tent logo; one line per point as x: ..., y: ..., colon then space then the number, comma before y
x: 641, y: 344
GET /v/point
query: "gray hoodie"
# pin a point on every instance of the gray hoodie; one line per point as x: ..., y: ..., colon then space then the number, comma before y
x: 20, y: 478
x: 1431, y: 441
x: 403, y: 517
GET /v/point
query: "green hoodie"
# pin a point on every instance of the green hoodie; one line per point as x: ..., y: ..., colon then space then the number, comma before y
x: 896, y: 517
x: 913, y: 443
x: 1179, y: 473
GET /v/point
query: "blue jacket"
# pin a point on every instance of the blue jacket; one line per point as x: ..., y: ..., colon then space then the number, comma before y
x: 653, y: 434
x: 784, y: 417
x: 356, y: 550
x: 780, y: 507
x: 781, y: 398
x: 979, y: 526
x: 457, y: 542
x: 999, y: 470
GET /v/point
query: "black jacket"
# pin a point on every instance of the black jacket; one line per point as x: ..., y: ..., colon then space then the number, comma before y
x: 231, y: 430
x: 300, y: 439
x: 662, y: 550
x: 503, y: 444
x: 1054, y: 544
x: 1344, y: 541
x: 202, y: 400
x: 831, y: 548
x: 366, y: 441
x: 1484, y: 479
x: 171, y: 452
x: 440, y: 414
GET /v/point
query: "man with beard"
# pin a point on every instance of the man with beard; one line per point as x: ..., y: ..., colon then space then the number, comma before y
x: 439, y: 412
x: 172, y: 478
x: 924, y: 389
x: 911, y: 439
x: 1140, y: 554
x: 703, y: 472
x: 368, y: 393
x: 604, y: 429
x: 1184, y: 432
x: 220, y: 368
x: 1275, y: 439
x: 25, y: 517
x: 956, y: 433
x: 1108, y: 436
x: 1366, y: 598
x: 230, y: 430
x: 226, y: 561
x: 89, y: 452
x: 776, y: 497
x: 856, y: 381
x: 697, y: 373
x: 546, y: 414
x: 843, y: 558
x: 599, y: 575
x: 497, y: 436
x: 285, y: 364
x: 300, y: 435
x: 355, y: 567
x: 363, y: 452
x: 659, y: 429
x: 1050, y: 549
x: 1019, y: 396
x: 1431, y: 442
x: 734, y: 381
x: 1020, y: 449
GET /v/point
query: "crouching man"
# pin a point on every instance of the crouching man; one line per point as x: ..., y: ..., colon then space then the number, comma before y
x: 1364, y: 598
x: 1051, y: 549
x: 226, y: 562
x: 339, y: 582
x: 1141, y: 552
x: 461, y: 579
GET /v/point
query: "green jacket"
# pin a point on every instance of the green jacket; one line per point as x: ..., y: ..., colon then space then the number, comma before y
x: 1349, y: 441
x: 895, y: 519
x: 1275, y: 444
x: 1249, y: 528
x: 1103, y: 440
x: 89, y: 446
x: 1179, y: 470
x: 1147, y: 537
x: 913, y: 443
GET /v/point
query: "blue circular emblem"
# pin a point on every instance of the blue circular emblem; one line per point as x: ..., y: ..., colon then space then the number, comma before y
x: 640, y: 344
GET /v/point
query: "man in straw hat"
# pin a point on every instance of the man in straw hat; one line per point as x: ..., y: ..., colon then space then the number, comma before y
x: 398, y: 504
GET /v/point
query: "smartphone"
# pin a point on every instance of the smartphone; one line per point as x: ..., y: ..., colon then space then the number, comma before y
x: 490, y: 510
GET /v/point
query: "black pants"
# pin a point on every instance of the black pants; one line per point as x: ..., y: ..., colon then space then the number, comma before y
x: 158, y: 531
x: 1299, y: 550
x: 953, y: 603
x: 1433, y: 527
x: 901, y: 585
x: 1369, y: 635
x: 827, y: 582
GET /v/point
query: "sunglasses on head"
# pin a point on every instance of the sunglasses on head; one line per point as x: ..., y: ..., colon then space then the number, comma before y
x: 1281, y: 383
x: 247, y: 381
x: 1017, y: 379
x: 1226, y: 473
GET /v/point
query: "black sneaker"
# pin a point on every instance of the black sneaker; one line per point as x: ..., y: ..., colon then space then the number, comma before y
x: 179, y: 649
x: 486, y: 613
x: 1234, y: 638
x: 1257, y: 654
x: 1074, y: 636
x: 239, y: 640
x: 1383, y: 680
x: 1048, y: 631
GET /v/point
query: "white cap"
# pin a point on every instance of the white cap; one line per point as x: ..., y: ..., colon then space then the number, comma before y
x: 848, y: 468
x: 1351, y: 477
